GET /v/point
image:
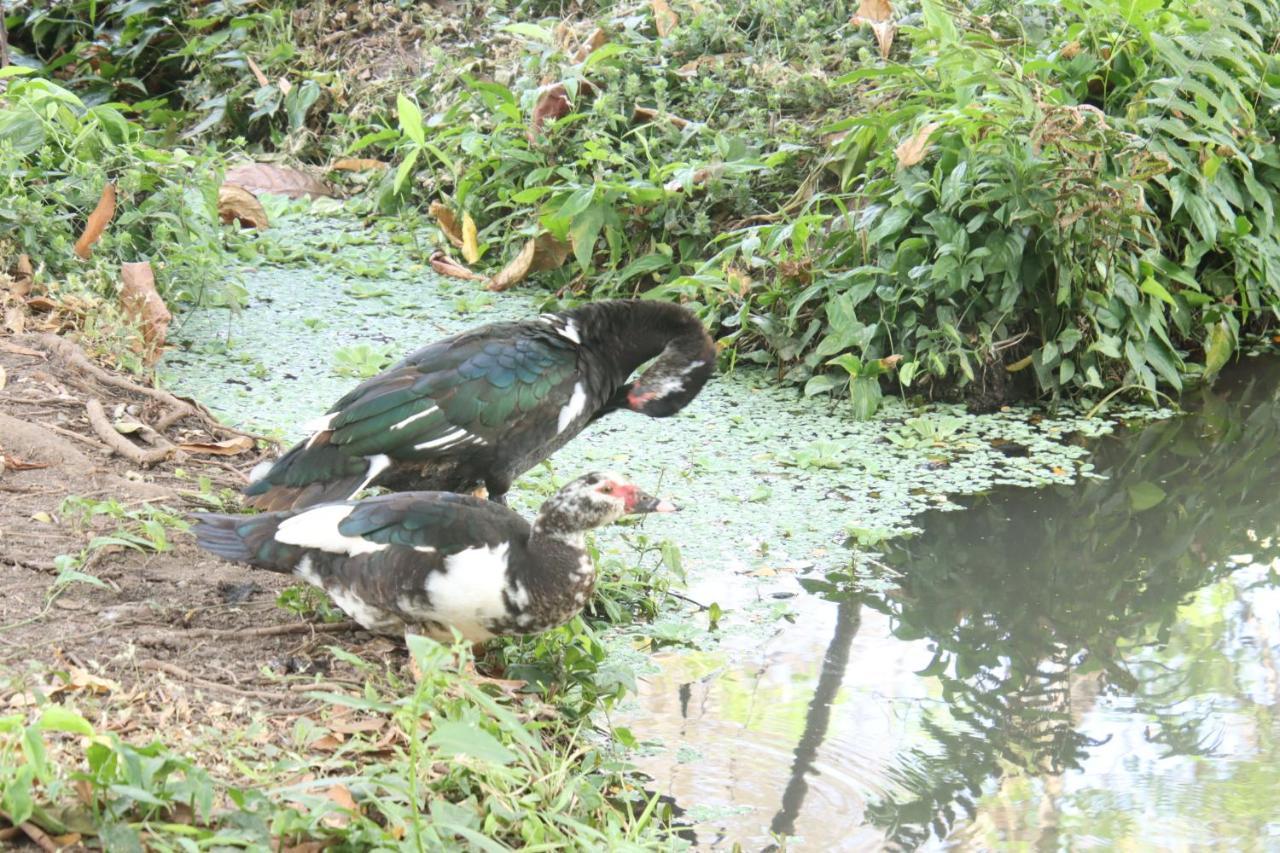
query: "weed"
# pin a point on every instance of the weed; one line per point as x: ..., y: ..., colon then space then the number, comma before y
x: 361, y: 360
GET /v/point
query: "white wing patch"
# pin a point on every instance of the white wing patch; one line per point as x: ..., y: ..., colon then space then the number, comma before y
x: 563, y: 327
x: 468, y: 594
x: 318, y: 528
x: 321, y: 423
x: 261, y: 469
x: 447, y: 440
x: 419, y: 416
x: 377, y: 464
x: 572, y: 409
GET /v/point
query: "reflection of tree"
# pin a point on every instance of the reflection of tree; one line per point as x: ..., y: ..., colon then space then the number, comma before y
x: 834, y: 664
x: 1027, y: 590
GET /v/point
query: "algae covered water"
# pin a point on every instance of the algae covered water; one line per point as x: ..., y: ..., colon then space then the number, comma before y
x: 930, y: 628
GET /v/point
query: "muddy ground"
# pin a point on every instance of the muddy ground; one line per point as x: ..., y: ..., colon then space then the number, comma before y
x: 176, y: 626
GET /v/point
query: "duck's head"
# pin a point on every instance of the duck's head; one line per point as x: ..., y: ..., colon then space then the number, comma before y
x: 594, y: 500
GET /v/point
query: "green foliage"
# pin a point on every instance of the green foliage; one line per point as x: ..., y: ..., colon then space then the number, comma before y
x: 308, y: 602
x: 57, y: 153
x: 361, y: 360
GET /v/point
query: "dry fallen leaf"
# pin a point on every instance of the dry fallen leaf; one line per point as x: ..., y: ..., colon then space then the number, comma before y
x: 359, y: 164
x: 327, y: 742
x: 664, y: 18
x: 23, y: 277
x: 237, y: 204
x: 97, y: 222
x: 257, y: 72
x: 540, y: 253
x: 140, y: 300
x: 1070, y: 50
x: 593, y: 43
x: 14, y: 320
x: 448, y: 223
x: 340, y: 795
x: 285, y: 86
x: 267, y: 178
x: 911, y: 151
x: 649, y: 114
x: 13, y: 463
x: 553, y: 103
x: 230, y: 447
x: 879, y: 14
x: 874, y: 10
x: 445, y: 265
x: 470, y: 242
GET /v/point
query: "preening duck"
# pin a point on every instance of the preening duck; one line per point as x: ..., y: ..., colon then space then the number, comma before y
x: 486, y: 405
x: 428, y: 561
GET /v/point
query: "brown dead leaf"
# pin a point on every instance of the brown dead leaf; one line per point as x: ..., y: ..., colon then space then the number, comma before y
x: 649, y: 114
x: 305, y: 846
x: 230, y: 447
x: 13, y: 463
x: 879, y: 15
x: 359, y: 164
x: 593, y: 43
x: 553, y: 103
x: 691, y: 68
x: 515, y: 271
x: 890, y: 361
x: 97, y: 221
x: 23, y: 277
x: 1070, y: 50
x: 448, y: 223
x: 237, y: 204
x: 911, y: 151
x: 470, y: 241
x: 353, y: 727
x: 874, y: 10
x: 140, y: 300
x: 340, y: 795
x: 541, y: 253
x: 257, y: 72
x: 268, y: 178
x: 285, y: 86
x: 14, y: 320
x: 328, y: 743
x: 665, y: 20
x: 445, y: 265
x: 81, y: 680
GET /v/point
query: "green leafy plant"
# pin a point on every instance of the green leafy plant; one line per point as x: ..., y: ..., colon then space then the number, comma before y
x: 361, y: 360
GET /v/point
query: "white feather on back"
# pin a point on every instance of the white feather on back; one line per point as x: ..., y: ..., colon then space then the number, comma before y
x: 318, y: 528
x: 468, y: 594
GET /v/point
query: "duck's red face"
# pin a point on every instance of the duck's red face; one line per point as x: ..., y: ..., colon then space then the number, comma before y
x: 634, y: 500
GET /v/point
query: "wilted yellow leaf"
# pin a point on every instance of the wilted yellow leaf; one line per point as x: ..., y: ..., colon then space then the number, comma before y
x: 664, y: 18
x: 911, y: 151
x: 470, y: 243
x: 873, y: 10
x: 445, y: 265
x: 448, y: 223
x: 230, y: 447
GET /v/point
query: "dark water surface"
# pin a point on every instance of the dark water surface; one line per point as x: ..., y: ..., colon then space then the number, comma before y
x: 1072, y: 667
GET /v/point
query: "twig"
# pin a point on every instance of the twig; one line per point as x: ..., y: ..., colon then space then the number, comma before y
x: 274, y: 630
x: 179, y: 672
x: 39, y: 837
x: 118, y: 443
x: 4, y: 39
x: 77, y: 436
x: 697, y: 604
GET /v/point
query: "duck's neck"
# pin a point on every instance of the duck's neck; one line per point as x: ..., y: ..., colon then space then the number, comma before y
x: 629, y: 332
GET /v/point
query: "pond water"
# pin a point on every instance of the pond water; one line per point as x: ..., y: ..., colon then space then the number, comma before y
x: 1085, y: 655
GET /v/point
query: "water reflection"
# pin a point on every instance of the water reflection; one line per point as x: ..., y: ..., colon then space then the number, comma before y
x: 1096, y: 665
x: 1035, y: 604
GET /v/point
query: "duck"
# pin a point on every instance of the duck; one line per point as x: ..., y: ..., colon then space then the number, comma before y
x: 431, y: 562
x: 481, y: 407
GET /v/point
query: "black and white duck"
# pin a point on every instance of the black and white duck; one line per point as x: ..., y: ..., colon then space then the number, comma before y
x: 484, y: 406
x: 425, y: 562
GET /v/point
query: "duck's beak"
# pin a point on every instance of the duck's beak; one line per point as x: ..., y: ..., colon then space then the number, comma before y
x: 645, y: 502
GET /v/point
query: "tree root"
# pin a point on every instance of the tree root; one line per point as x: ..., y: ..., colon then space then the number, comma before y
x: 121, y: 445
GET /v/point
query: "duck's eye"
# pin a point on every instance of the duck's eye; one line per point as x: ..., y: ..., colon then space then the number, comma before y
x: 606, y: 489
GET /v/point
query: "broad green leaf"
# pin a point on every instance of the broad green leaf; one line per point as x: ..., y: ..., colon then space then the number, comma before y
x: 406, y: 168
x: 649, y: 263
x: 410, y: 118
x: 1151, y: 287
x: 1218, y: 349
x: 452, y: 737
x: 14, y: 71
x: 530, y: 31
x: 56, y: 718
x: 824, y: 383
x: 586, y: 228
x: 1145, y: 495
